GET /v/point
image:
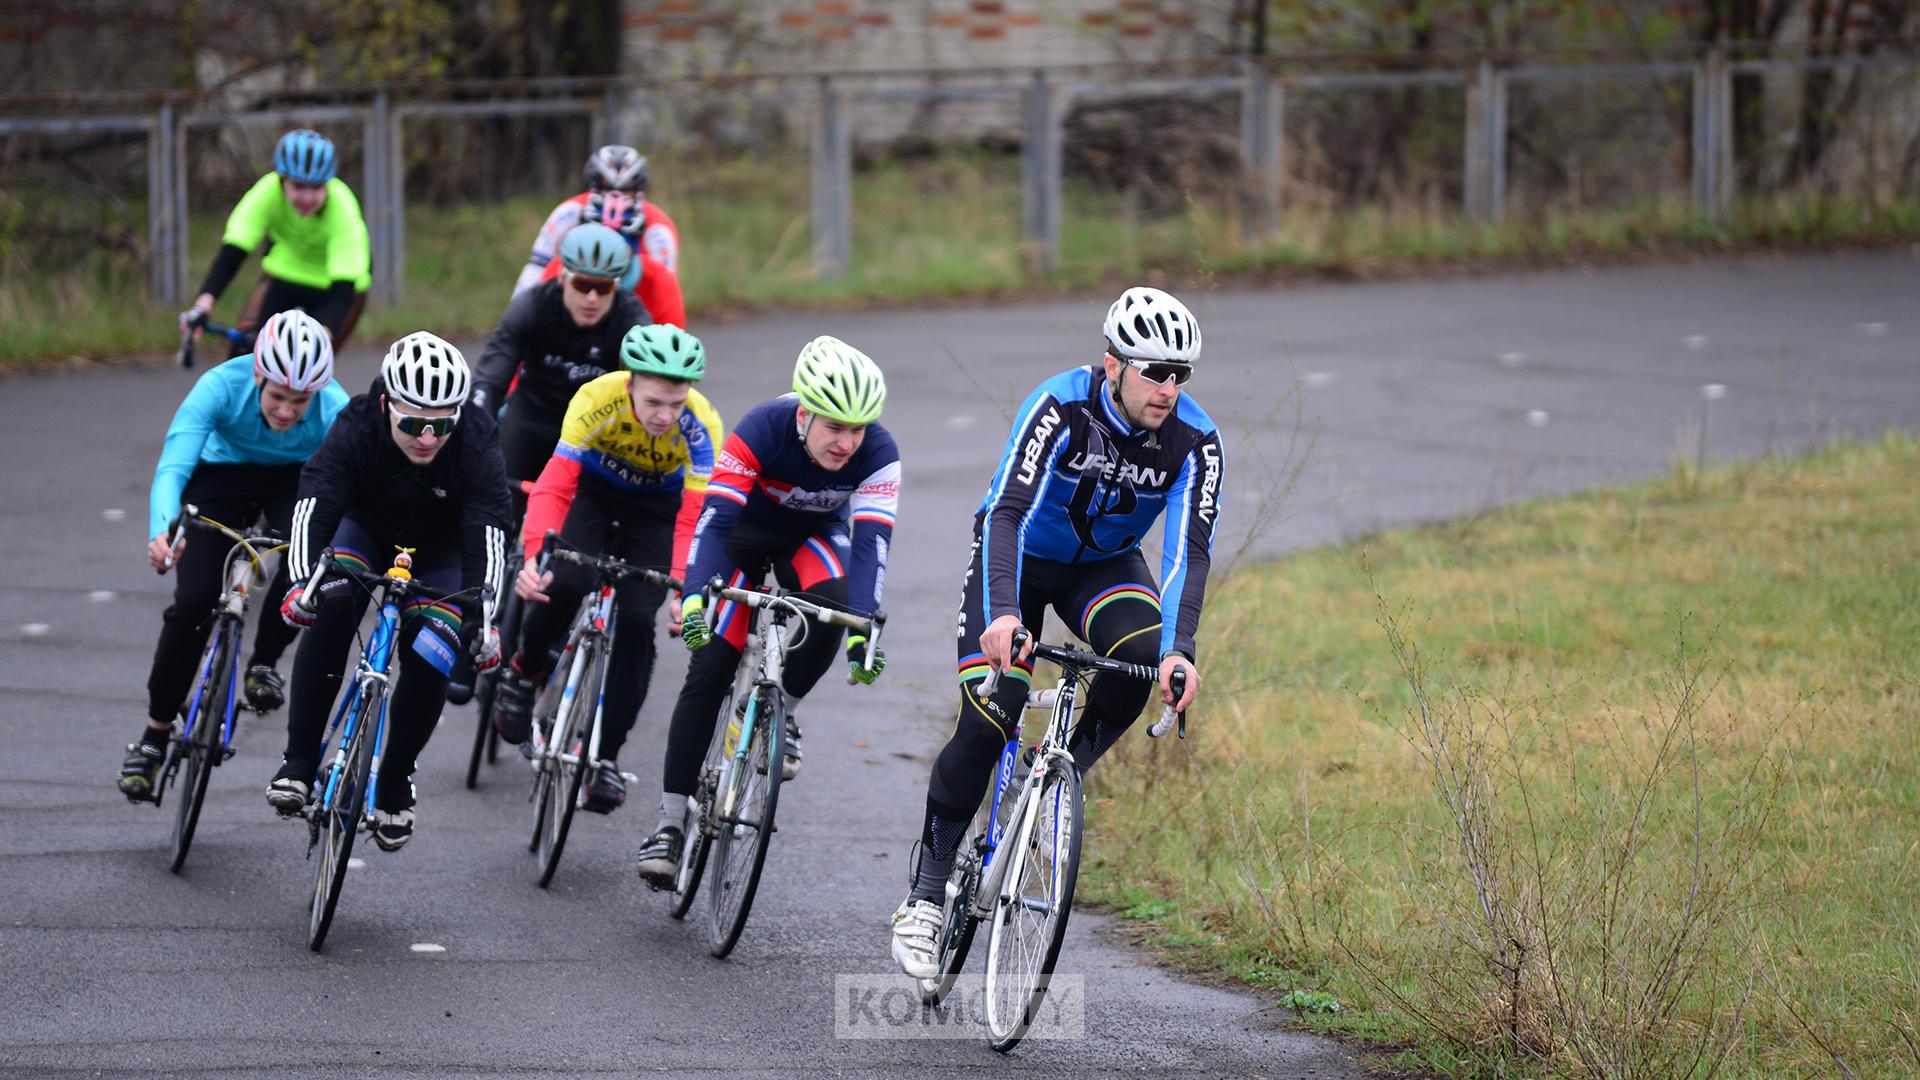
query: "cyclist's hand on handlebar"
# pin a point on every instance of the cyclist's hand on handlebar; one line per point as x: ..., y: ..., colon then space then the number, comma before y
x: 294, y: 609
x: 196, y: 316
x: 673, y: 615
x: 531, y: 584
x: 693, y: 622
x: 1170, y: 663
x: 484, y: 647
x: 997, y: 642
x: 161, y: 555
x: 857, y: 660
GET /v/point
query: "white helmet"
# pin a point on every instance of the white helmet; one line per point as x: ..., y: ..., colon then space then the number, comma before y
x: 294, y: 350
x: 426, y: 372
x: 1147, y: 324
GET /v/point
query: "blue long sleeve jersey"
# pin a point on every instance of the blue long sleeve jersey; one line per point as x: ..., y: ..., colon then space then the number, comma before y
x: 1078, y: 484
x: 220, y: 423
x: 765, y: 478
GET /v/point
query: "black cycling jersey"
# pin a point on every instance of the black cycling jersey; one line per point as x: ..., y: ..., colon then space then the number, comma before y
x: 553, y: 355
x: 458, y: 501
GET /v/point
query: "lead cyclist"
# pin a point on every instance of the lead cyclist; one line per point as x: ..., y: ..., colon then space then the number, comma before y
x: 1098, y: 453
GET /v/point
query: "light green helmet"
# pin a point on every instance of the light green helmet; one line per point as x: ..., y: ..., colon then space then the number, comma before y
x: 664, y: 350
x: 838, y: 381
x: 596, y: 251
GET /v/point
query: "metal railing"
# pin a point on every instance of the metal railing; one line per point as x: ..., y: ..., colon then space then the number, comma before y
x: 1044, y: 97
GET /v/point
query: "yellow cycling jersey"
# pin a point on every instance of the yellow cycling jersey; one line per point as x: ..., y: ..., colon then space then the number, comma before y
x: 602, y: 435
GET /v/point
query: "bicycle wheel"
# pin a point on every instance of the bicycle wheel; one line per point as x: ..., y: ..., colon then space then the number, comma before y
x: 699, y: 839
x: 201, y: 749
x: 1036, y: 896
x: 340, y: 818
x: 560, y: 779
x: 957, y: 920
x: 743, y: 821
x: 484, y: 686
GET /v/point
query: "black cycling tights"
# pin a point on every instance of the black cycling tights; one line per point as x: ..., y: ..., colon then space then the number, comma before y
x: 1113, y: 606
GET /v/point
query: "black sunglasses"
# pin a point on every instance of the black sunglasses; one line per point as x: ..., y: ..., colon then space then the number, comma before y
x: 416, y: 426
x: 1158, y: 371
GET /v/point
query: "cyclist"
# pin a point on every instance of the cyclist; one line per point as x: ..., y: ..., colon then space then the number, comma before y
x: 619, y: 171
x: 317, y: 255
x: 808, y: 484
x: 404, y: 466
x: 234, y: 449
x: 655, y: 286
x: 1098, y: 453
x: 635, y: 454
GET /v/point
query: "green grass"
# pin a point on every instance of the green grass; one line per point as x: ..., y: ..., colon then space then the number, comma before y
x: 942, y: 227
x: 1745, y: 637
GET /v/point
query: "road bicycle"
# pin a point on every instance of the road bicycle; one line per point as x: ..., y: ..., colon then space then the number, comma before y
x: 1019, y: 860
x: 565, y: 739
x: 342, y: 801
x: 204, y: 738
x: 199, y: 321
x: 486, y: 741
x: 732, y: 811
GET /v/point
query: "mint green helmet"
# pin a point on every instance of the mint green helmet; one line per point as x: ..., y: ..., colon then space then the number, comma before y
x: 838, y: 381
x: 596, y: 251
x: 664, y: 350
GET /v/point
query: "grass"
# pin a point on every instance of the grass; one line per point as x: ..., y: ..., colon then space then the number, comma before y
x: 946, y: 226
x: 1607, y: 785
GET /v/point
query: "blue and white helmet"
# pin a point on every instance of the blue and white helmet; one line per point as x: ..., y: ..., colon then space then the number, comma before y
x: 305, y: 156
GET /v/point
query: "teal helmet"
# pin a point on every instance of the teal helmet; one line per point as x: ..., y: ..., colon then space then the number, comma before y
x: 838, y: 381
x: 664, y: 350
x: 596, y: 251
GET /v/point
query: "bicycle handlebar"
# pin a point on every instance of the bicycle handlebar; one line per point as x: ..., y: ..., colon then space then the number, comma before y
x: 778, y: 597
x: 1076, y: 660
x: 330, y: 562
x: 605, y: 565
x: 195, y: 319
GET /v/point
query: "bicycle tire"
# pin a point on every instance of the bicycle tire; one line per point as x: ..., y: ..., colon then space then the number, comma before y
x: 957, y: 922
x: 575, y: 728
x: 736, y: 867
x: 1023, y: 946
x: 201, y: 750
x: 699, y: 838
x: 485, y: 683
x: 341, y: 821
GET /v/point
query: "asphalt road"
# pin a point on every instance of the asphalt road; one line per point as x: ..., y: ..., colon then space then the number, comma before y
x: 1409, y: 402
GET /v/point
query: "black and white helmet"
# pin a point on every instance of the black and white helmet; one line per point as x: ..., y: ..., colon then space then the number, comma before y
x: 294, y: 350
x: 426, y: 372
x: 617, y: 168
x: 1148, y: 324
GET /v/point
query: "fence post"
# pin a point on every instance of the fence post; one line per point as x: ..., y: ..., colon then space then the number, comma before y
x: 832, y: 185
x: 1496, y: 145
x: 1474, y: 163
x: 380, y: 222
x: 160, y: 263
x: 1259, y: 152
x: 1721, y: 72
x: 177, y: 210
x: 606, y: 122
x: 1704, y: 149
x: 1040, y: 173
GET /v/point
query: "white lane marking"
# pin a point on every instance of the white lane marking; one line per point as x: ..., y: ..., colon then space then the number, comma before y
x: 960, y: 423
x: 356, y: 864
x: 427, y: 947
x: 114, y: 513
x: 1713, y: 391
x: 1317, y: 379
x: 102, y: 596
x: 35, y: 629
x: 1872, y: 329
x: 1512, y: 359
x: 1696, y: 342
x: 1537, y: 418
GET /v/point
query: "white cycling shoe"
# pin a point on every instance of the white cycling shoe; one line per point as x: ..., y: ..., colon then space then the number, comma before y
x: 916, y: 938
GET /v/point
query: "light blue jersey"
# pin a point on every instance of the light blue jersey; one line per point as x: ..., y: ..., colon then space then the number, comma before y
x: 220, y: 423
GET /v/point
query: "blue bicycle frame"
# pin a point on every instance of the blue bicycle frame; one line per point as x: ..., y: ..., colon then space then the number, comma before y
x: 375, y: 660
x: 195, y: 711
x: 1002, y: 777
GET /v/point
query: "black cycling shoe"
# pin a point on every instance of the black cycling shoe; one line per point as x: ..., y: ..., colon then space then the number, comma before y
x: 142, y: 764
x: 264, y: 689
x: 513, y: 707
x: 606, y: 788
x: 660, y: 857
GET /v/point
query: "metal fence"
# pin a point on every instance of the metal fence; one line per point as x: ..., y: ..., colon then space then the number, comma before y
x: 1243, y: 141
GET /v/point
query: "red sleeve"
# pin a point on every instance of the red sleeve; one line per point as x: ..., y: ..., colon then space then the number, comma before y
x: 547, y: 504
x: 659, y: 290
x: 683, y: 523
x: 552, y: 271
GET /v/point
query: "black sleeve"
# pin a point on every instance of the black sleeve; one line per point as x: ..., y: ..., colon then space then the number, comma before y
x: 504, y: 350
x: 225, y: 264
x: 325, y: 484
x: 487, y: 513
x: 332, y: 311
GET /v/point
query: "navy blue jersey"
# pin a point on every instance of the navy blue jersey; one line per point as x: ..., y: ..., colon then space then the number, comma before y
x: 1077, y: 483
x: 765, y: 477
